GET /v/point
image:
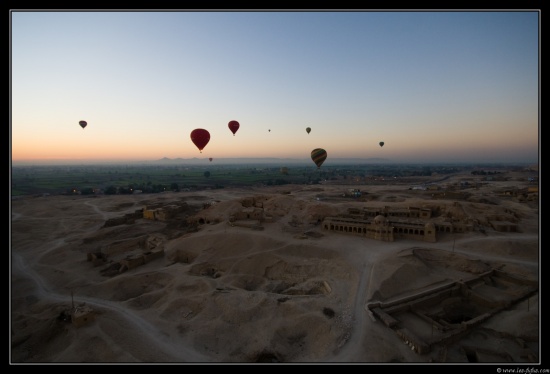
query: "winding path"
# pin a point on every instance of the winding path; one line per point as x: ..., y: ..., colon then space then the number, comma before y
x: 157, y: 339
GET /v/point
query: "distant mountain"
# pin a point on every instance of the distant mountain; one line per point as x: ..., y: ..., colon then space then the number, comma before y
x: 204, y: 161
x: 267, y: 160
x: 274, y: 161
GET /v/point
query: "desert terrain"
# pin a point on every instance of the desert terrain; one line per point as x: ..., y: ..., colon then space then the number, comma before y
x: 281, y: 289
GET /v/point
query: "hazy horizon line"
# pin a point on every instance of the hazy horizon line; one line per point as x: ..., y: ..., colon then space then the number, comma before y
x: 255, y: 160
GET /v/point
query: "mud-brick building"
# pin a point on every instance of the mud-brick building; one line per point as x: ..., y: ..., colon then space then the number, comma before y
x: 423, y: 231
x: 370, y: 229
x: 382, y: 228
x: 137, y: 259
x: 163, y: 213
x: 408, y: 212
x: 82, y: 315
x: 248, y: 213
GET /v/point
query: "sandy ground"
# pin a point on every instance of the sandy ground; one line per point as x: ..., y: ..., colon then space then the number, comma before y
x: 290, y: 293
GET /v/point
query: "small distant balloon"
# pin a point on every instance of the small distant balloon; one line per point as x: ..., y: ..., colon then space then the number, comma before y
x: 318, y: 155
x: 269, y: 130
x: 284, y: 170
x: 381, y: 144
x: 210, y: 159
x: 200, y: 137
x: 83, y: 124
x: 233, y: 126
x: 308, y: 129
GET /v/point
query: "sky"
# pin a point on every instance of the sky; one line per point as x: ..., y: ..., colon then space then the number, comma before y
x: 434, y: 86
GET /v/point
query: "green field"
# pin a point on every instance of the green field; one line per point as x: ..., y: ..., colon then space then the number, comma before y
x: 125, y: 179
x: 27, y: 180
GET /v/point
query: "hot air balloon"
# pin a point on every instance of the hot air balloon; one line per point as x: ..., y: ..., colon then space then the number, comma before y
x: 308, y: 129
x: 284, y: 170
x: 83, y: 124
x: 381, y: 144
x: 233, y: 126
x: 210, y: 159
x: 200, y: 137
x: 318, y: 155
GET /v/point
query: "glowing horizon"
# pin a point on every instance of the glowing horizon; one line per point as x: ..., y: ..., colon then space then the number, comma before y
x: 440, y: 86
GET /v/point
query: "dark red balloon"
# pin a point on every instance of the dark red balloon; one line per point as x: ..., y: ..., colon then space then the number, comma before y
x: 200, y: 137
x: 83, y: 124
x: 233, y: 126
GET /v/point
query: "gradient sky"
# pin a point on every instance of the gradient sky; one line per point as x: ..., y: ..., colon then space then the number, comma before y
x: 434, y: 86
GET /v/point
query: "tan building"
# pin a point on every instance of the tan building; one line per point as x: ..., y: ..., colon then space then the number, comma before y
x: 82, y: 315
x: 381, y: 228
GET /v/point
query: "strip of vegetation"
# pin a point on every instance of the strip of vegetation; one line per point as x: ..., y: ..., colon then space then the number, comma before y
x: 126, y: 179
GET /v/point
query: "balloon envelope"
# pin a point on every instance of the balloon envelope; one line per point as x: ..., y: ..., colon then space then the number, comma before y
x: 318, y: 155
x: 233, y: 126
x: 381, y: 144
x: 83, y: 124
x: 308, y: 129
x: 210, y: 159
x: 200, y: 137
